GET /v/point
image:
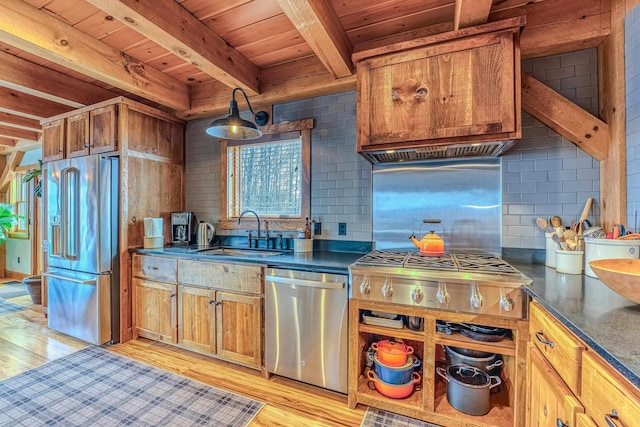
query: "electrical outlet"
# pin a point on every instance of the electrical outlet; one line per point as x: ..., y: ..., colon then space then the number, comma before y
x: 18, y: 260
x: 317, y: 228
x: 342, y: 228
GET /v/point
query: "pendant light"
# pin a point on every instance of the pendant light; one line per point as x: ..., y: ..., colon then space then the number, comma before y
x: 234, y: 126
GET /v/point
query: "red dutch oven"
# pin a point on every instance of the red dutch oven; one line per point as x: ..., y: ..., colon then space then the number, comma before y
x: 392, y: 352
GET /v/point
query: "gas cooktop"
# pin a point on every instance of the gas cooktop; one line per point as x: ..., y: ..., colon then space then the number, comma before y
x: 459, y: 263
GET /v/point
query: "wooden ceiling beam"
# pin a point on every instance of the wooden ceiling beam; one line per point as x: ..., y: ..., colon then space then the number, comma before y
x: 21, y: 122
x: 10, y: 132
x: 320, y: 27
x: 8, y: 142
x: 12, y: 163
x: 471, y: 12
x: 27, y: 77
x: 287, y: 82
x: 563, y: 116
x: 15, y: 101
x: 43, y: 35
x: 171, y: 26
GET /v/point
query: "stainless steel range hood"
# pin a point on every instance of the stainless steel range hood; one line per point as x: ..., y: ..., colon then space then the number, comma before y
x: 450, y: 151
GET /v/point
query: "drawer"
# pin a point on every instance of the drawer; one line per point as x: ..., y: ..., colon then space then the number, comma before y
x: 604, y: 390
x: 155, y: 268
x: 221, y: 275
x: 560, y: 347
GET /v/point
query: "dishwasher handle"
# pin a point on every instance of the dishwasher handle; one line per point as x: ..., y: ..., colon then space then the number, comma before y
x: 306, y: 283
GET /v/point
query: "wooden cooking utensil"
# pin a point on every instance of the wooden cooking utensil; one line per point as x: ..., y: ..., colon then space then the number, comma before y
x: 584, y: 215
x: 543, y: 224
x: 556, y: 221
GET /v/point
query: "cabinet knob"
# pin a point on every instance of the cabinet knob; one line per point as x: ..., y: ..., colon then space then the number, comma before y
x: 172, y: 295
x: 609, y: 418
x: 561, y: 423
x: 218, y: 302
x: 211, y: 301
x: 86, y: 146
x: 59, y: 151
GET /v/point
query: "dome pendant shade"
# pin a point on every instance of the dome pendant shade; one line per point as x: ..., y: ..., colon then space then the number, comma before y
x: 234, y: 126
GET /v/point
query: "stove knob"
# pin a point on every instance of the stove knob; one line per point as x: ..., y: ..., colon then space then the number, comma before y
x: 477, y: 300
x: 417, y: 295
x: 506, y: 303
x: 442, y: 295
x: 387, y: 288
x: 365, y: 286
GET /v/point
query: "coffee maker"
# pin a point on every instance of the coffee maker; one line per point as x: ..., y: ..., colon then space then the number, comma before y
x: 184, y: 226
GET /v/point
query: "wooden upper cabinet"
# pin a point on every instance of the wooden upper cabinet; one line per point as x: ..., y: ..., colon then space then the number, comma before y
x: 53, y: 137
x: 104, y: 137
x: 78, y: 141
x: 465, y: 90
x: 153, y: 136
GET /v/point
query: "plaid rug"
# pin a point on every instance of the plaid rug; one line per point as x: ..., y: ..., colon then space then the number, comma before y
x: 12, y: 290
x: 375, y: 417
x: 7, y: 307
x: 95, y: 387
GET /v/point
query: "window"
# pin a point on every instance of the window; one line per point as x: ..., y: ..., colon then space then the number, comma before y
x: 19, y: 199
x: 269, y: 176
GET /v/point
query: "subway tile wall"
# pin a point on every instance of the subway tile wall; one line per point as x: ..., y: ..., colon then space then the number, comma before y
x: 340, y: 178
x: 544, y: 174
x: 632, y: 75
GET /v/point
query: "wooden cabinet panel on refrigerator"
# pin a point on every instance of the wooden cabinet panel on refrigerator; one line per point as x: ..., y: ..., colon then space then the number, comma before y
x: 155, y: 311
x: 239, y: 330
x: 197, y: 318
x: 78, y: 135
x: 551, y: 402
x: 102, y: 123
x: 53, y: 137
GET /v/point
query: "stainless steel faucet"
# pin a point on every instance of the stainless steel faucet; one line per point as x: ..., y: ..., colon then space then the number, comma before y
x: 257, y: 218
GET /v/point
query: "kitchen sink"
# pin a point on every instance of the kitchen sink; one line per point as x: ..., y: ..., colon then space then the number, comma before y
x: 239, y: 252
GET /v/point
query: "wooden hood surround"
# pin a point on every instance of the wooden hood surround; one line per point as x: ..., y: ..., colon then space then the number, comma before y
x: 186, y: 57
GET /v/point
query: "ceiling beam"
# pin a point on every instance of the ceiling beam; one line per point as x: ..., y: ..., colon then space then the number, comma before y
x: 21, y: 122
x: 171, y: 26
x: 34, y: 79
x: 8, y: 142
x: 9, y: 132
x: 301, y: 79
x: 563, y: 116
x: 320, y: 27
x: 43, y: 35
x: 12, y: 163
x: 471, y: 12
x: 29, y: 105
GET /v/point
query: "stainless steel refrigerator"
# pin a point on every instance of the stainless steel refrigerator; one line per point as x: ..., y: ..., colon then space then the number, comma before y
x: 82, y: 229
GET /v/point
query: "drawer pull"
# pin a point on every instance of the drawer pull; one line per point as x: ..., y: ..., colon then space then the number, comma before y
x: 609, y: 418
x: 211, y: 301
x: 561, y: 423
x: 172, y: 295
x: 539, y: 338
x: 152, y: 268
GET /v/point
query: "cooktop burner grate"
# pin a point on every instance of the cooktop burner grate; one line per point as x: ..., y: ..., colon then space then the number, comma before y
x: 464, y: 263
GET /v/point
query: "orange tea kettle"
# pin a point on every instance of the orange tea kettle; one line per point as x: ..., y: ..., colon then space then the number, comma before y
x: 431, y: 244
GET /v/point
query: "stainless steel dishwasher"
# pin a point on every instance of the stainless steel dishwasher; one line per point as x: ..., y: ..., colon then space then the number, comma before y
x: 306, y: 320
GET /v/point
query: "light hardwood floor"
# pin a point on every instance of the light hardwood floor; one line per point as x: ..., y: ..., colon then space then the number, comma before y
x: 26, y: 342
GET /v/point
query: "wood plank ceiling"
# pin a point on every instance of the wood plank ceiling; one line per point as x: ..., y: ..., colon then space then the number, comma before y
x: 185, y: 56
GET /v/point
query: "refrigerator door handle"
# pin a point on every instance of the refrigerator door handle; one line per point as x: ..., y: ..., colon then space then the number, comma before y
x: 69, y: 279
x: 70, y: 179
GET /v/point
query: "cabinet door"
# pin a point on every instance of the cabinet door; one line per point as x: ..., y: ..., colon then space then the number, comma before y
x: 104, y: 137
x: 155, y: 310
x: 550, y: 401
x: 78, y: 135
x: 171, y: 140
x: 457, y: 89
x: 196, y: 318
x: 142, y: 132
x: 239, y: 327
x: 53, y: 140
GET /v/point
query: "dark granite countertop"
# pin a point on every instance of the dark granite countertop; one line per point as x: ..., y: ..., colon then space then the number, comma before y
x: 320, y: 261
x: 604, y: 320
